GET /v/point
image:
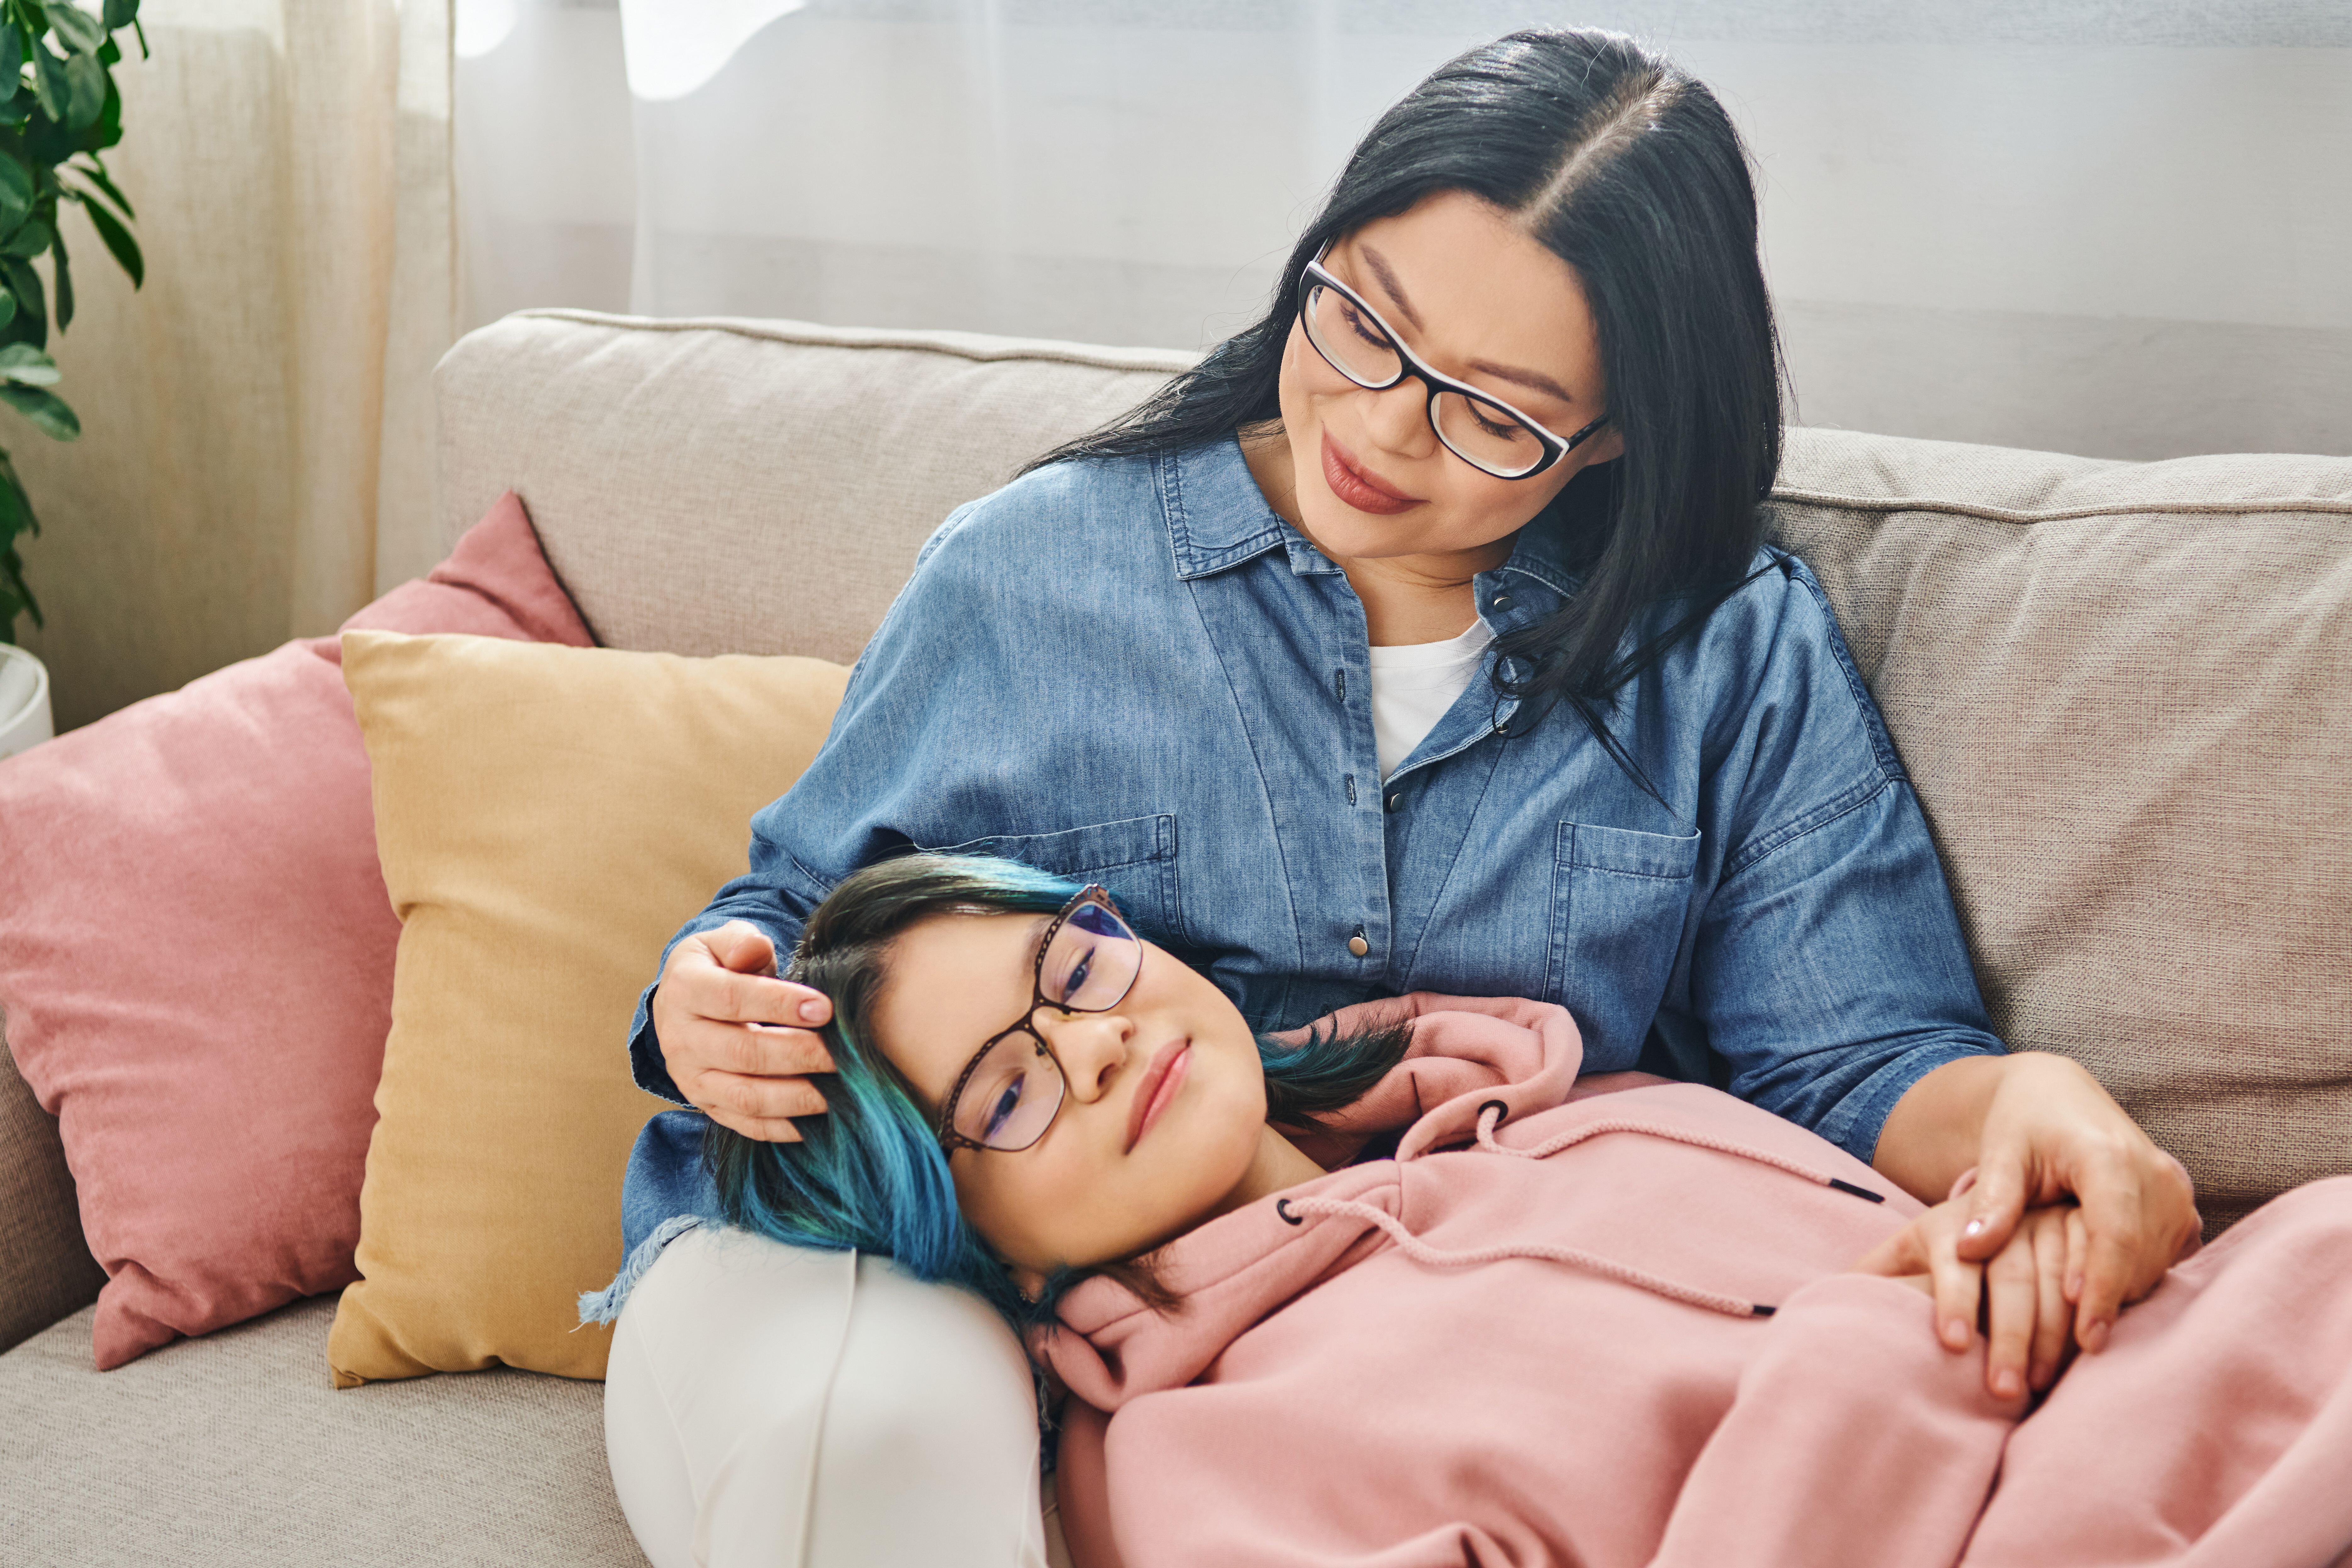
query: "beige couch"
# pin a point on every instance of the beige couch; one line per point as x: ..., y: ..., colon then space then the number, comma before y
x: 2124, y: 693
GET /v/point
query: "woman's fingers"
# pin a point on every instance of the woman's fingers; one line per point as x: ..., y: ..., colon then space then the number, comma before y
x: 2052, y: 1316
x: 730, y: 974
x: 741, y: 946
x: 716, y: 992
x: 729, y: 1098
x: 765, y: 1129
x: 2114, y: 1220
x: 738, y: 1042
x: 2013, y: 1301
x: 1996, y: 1202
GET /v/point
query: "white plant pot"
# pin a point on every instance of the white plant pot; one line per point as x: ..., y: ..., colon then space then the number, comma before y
x: 24, y: 701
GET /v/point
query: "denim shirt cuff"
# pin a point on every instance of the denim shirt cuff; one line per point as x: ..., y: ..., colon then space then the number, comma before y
x: 605, y: 1305
x: 1861, y: 1116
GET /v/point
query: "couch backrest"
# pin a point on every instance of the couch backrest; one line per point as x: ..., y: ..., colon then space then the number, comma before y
x: 2124, y: 690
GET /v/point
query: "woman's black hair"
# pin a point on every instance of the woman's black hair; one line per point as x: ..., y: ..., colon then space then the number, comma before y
x: 1628, y: 169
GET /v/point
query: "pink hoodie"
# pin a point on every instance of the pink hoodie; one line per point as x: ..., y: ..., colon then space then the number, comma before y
x: 1613, y: 1329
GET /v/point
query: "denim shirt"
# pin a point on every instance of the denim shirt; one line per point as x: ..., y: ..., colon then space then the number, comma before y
x: 1133, y: 672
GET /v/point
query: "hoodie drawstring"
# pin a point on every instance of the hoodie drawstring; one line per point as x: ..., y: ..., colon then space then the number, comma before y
x: 1490, y: 1115
x: 1420, y: 1252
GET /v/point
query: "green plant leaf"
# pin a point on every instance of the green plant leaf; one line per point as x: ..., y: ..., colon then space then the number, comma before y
x: 9, y: 474
x: 45, y: 409
x: 15, y: 511
x: 28, y: 366
x: 13, y: 585
x: 11, y: 53
x: 118, y: 240
x: 120, y: 13
x: 63, y: 271
x: 50, y: 84
x: 77, y: 28
x: 13, y: 588
x: 86, y: 87
x: 31, y: 237
x: 32, y: 303
x: 94, y: 173
x: 107, y: 129
x: 7, y: 310
x: 15, y: 193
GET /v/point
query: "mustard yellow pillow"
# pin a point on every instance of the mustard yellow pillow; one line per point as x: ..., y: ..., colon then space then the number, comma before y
x: 546, y: 817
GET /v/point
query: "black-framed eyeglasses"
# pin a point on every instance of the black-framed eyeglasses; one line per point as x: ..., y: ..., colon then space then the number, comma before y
x: 1012, y: 1089
x: 1477, y: 426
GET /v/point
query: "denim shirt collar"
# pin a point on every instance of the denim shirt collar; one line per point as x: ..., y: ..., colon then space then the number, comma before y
x: 1218, y: 517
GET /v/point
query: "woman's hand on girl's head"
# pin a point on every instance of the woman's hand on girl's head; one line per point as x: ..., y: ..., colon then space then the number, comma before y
x: 737, y: 1041
x: 2018, y: 1297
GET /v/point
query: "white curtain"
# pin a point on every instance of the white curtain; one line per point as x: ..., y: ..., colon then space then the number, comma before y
x: 257, y: 435
x: 2118, y: 230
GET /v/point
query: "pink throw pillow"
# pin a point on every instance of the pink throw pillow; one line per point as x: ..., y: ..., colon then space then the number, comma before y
x: 195, y: 958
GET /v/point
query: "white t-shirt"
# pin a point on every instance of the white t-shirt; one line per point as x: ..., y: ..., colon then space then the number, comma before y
x: 1412, y: 685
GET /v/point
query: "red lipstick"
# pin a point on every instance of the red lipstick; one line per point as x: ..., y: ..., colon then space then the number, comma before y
x: 1157, y: 1089
x: 1362, y: 490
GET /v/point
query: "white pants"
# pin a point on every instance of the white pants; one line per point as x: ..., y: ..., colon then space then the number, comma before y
x: 767, y: 1405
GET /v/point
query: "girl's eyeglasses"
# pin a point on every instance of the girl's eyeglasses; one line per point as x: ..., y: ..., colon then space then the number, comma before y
x: 1011, y: 1091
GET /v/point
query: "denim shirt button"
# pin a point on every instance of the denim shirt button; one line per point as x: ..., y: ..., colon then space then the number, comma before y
x: 1396, y: 799
x: 1358, y: 945
x: 1499, y: 602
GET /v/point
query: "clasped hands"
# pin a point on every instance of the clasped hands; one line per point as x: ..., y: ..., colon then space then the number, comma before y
x: 2069, y: 1213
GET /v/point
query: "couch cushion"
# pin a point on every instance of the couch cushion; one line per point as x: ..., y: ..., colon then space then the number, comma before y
x: 235, y: 1450
x: 195, y: 958
x: 2124, y: 692
x: 752, y: 486
x: 546, y: 817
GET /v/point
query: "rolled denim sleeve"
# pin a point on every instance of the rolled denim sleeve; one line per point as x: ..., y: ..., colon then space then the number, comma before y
x: 1831, y: 971
x: 1828, y: 972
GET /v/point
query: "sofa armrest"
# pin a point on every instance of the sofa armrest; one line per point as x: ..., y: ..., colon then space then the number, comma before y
x: 46, y: 1268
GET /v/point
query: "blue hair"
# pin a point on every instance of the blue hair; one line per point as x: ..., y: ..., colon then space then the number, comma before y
x: 869, y: 1173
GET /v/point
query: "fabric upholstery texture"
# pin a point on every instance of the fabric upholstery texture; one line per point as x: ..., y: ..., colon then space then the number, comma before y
x: 2121, y: 691
x: 754, y: 486
x: 546, y: 818
x: 236, y: 1451
x: 195, y: 959
x: 46, y: 1268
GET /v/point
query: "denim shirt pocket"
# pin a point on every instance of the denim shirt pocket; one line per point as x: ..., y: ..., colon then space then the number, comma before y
x: 1134, y: 859
x: 1618, y: 898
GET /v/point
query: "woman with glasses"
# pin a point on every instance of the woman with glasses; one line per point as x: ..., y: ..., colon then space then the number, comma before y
x: 1423, y: 637
x: 1406, y: 1289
